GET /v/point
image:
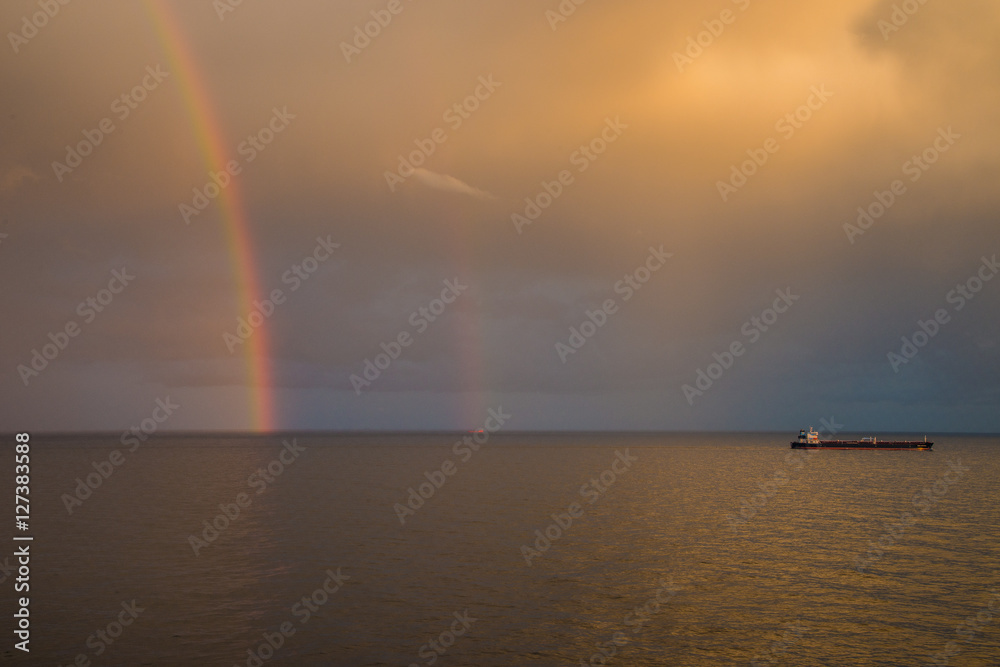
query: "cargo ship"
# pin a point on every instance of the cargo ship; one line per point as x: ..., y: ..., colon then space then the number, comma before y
x: 810, y: 440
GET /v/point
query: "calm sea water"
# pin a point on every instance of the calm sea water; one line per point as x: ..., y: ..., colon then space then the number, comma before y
x: 725, y: 549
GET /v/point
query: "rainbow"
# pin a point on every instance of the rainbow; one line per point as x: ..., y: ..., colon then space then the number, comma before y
x: 207, y: 132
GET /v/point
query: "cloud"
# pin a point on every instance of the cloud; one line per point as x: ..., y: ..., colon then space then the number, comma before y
x: 13, y: 178
x: 658, y: 185
x: 450, y: 184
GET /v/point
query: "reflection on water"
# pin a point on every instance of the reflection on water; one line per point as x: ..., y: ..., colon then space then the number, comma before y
x: 702, y: 550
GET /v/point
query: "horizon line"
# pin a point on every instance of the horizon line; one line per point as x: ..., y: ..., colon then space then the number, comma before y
x: 313, y: 431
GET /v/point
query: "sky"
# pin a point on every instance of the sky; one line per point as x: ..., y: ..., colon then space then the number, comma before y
x: 573, y: 213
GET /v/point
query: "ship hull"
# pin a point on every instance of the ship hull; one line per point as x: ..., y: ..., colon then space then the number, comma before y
x: 859, y: 444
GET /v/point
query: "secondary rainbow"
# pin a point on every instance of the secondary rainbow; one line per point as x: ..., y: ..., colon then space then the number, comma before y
x: 209, y: 137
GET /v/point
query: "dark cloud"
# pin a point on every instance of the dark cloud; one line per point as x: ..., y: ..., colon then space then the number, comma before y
x: 324, y: 176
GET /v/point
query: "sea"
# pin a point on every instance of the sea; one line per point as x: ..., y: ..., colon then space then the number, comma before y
x: 452, y: 549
